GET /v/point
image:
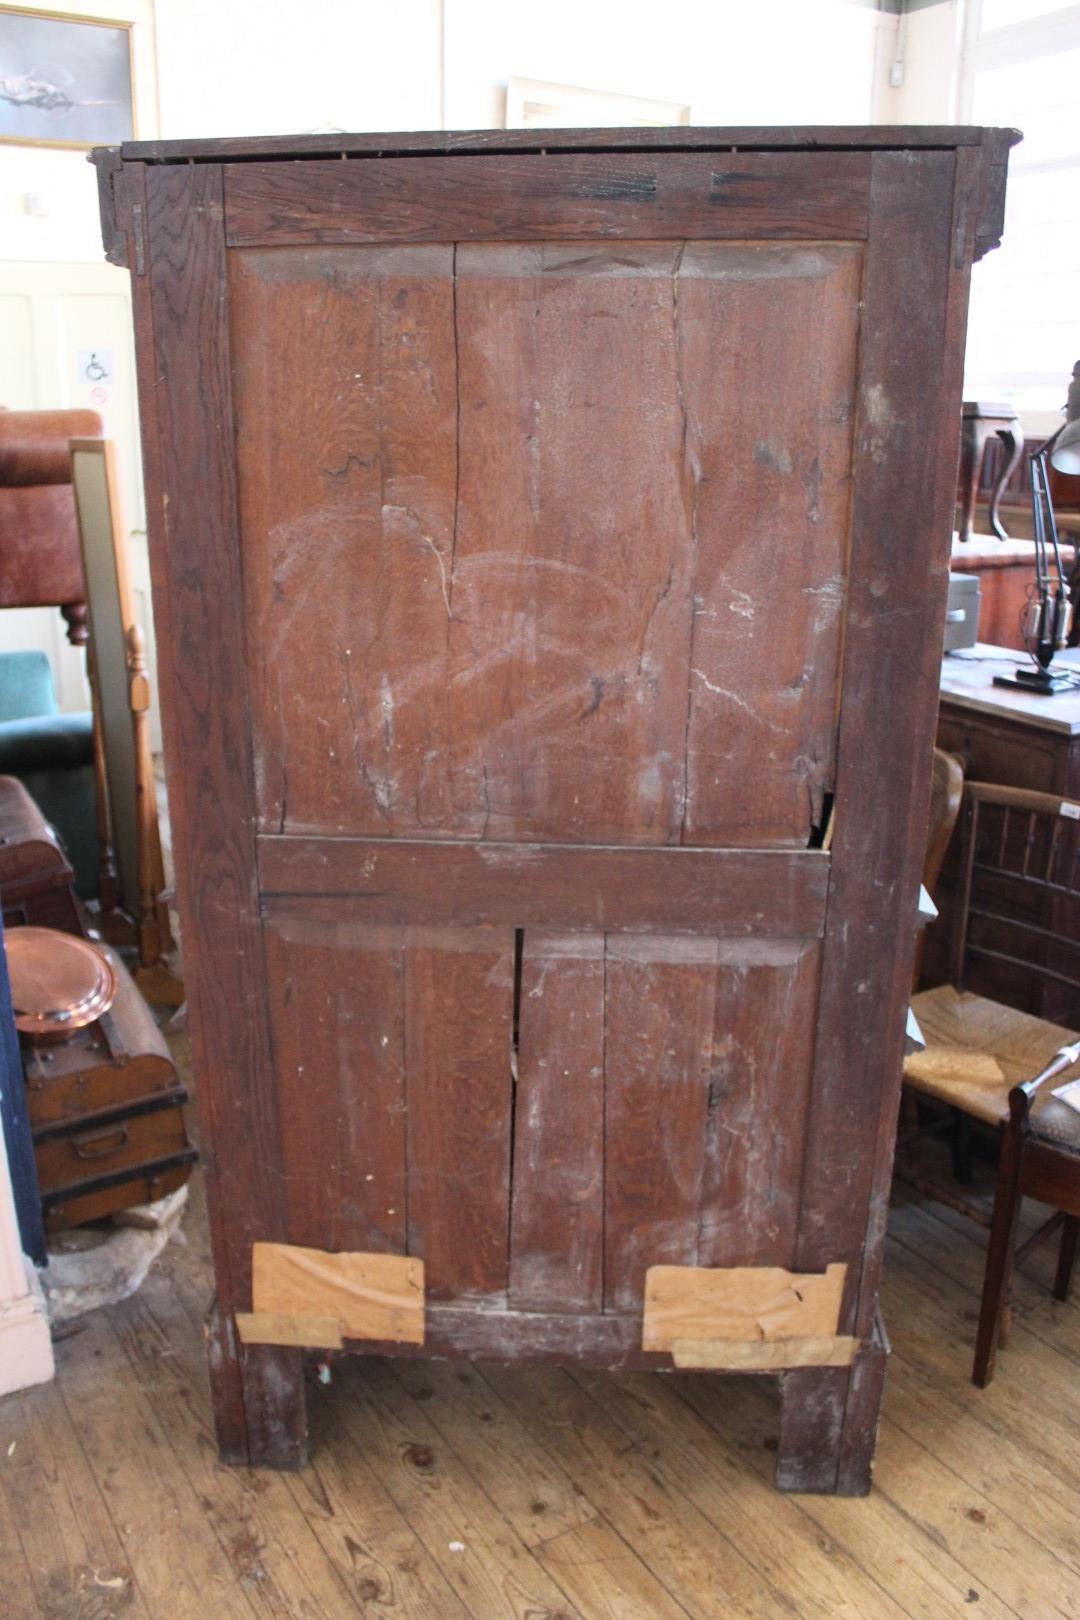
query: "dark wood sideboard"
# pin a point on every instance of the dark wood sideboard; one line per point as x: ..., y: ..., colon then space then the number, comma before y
x: 531, y: 1018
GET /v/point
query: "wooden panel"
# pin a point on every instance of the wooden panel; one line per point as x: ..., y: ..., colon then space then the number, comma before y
x: 759, y: 892
x: 338, y: 1028
x: 453, y: 564
x: 557, y: 195
x: 556, y: 1250
x: 746, y: 1303
x: 371, y: 1296
x: 195, y: 563
x: 459, y: 988
x: 763, y: 1041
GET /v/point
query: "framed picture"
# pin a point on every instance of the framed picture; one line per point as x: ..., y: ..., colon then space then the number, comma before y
x: 64, y: 81
x: 537, y: 104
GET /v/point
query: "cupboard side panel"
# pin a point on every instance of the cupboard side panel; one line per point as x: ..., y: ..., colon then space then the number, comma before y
x: 907, y: 404
x: 179, y: 258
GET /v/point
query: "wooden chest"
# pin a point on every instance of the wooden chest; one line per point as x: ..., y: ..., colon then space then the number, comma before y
x: 548, y: 532
x: 37, y: 884
x: 106, y: 1114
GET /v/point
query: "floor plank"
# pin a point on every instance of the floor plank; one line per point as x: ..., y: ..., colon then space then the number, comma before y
x: 445, y: 1492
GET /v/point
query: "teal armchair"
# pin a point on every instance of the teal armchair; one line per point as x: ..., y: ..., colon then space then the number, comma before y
x: 52, y: 754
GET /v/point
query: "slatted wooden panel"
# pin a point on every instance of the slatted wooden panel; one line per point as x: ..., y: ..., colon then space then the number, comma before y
x: 655, y: 1118
x: 535, y: 490
x: 392, y: 1062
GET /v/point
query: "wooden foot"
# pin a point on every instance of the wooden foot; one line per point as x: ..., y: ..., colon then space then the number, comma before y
x: 160, y: 986
x: 260, y: 1409
x: 1070, y: 1230
x: 999, y: 1259
x: 829, y: 1423
x: 811, y: 1429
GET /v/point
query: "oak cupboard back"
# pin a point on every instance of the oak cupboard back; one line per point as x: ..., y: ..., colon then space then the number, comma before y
x: 549, y: 532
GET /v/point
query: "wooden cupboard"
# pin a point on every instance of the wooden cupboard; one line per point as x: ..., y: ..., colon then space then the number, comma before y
x: 549, y: 533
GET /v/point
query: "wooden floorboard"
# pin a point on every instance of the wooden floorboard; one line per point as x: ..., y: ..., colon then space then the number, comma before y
x: 442, y: 1492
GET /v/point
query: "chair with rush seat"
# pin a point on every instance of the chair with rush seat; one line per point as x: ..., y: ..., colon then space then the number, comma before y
x: 1020, y: 904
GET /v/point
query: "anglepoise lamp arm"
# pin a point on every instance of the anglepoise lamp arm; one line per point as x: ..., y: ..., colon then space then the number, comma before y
x: 1048, y: 615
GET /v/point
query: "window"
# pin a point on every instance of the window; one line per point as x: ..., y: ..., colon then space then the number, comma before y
x: 1022, y: 68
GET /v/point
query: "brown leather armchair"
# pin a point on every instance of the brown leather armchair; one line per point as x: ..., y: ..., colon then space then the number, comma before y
x: 40, y: 562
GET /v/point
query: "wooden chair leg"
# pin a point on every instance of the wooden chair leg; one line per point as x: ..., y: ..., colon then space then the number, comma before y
x: 1070, y: 1230
x: 999, y: 1260
x: 961, y: 1147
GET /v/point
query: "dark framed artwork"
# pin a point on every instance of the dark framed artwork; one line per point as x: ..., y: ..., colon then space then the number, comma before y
x: 64, y: 80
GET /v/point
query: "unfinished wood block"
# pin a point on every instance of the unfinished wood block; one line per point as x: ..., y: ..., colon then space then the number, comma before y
x: 767, y: 1355
x: 304, y: 1332
x: 751, y: 1304
x: 368, y: 1296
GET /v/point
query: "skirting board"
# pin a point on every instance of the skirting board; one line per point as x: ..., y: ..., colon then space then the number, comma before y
x: 26, y: 1352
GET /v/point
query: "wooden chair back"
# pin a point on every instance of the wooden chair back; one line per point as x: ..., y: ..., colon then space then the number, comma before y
x: 946, y: 795
x: 1020, y: 887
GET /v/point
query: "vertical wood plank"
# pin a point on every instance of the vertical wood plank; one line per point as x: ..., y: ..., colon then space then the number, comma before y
x: 337, y: 1015
x: 762, y: 1042
x: 347, y: 496
x: 195, y: 566
x: 459, y: 993
x: 658, y: 1049
x: 765, y: 337
x: 556, y: 1251
x: 573, y: 509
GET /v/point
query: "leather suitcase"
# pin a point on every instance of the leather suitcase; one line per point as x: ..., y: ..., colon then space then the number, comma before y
x: 36, y: 879
x: 106, y: 1114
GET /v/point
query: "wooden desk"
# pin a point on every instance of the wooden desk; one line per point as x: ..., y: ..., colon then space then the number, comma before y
x: 1002, y: 735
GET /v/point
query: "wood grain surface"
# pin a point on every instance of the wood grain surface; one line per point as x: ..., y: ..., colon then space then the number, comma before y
x: 195, y: 559
x: 557, y: 195
x: 453, y: 562
x: 734, y: 892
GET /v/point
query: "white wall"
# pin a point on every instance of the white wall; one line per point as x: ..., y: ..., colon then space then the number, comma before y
x: 266, y: 67
x: 773, y: 61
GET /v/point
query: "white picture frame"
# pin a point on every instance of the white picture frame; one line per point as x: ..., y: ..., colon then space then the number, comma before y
x: 541, y: 104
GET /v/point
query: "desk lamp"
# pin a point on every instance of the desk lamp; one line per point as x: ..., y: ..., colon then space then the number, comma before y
x: 1048, y: 614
